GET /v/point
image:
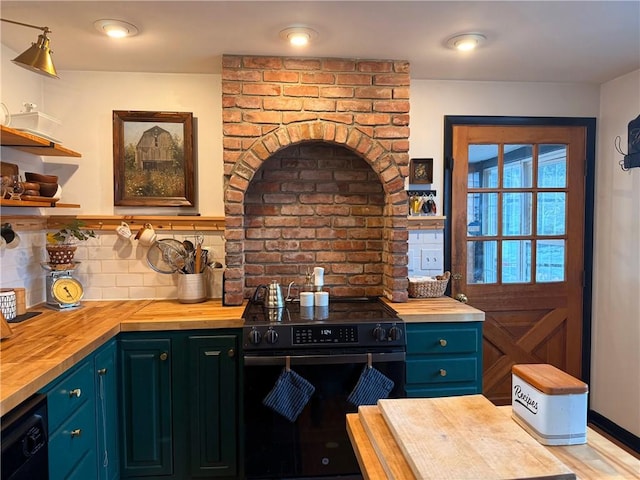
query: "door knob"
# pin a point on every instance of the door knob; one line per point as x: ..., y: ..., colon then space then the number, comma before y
x: 462, y: 298
x: 456, y: 276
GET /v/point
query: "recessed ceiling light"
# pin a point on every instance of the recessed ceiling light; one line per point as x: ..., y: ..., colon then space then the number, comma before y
x: 298, y: 36
x: 115, y: 28
x: 466, y: 41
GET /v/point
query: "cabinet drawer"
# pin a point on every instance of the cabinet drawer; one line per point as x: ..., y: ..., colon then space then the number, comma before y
x: 70, y: 393
x: 72, y: 446
x: 441, y: 391
x: 424, y: 340
x: 437, y: 371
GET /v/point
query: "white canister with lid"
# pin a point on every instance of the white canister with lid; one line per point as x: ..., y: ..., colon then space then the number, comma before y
x: 8, y: 304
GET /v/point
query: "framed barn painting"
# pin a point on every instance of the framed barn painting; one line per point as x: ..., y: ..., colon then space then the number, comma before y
x: 153, y: 159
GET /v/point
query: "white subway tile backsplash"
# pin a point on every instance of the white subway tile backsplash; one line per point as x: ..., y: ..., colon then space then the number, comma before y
x: 115, y: 293
x: 110, y: 268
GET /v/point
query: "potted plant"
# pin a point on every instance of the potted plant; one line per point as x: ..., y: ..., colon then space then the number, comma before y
x: 61, y: 245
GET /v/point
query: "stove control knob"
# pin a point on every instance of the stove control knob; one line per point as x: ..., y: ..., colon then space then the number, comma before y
x: 395, y: 333
x: 379, y: 333
x: 255, y: 337
x: 271, y: 336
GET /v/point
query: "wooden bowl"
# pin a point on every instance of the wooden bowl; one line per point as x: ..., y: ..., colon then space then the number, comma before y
x: 40, y: 177
x: 31, y: 186
x: 48, y: 189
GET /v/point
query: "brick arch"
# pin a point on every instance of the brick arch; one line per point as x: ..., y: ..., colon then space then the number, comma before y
x: 390, y: 167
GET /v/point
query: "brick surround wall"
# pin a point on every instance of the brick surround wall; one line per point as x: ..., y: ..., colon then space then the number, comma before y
x: 315, y: 157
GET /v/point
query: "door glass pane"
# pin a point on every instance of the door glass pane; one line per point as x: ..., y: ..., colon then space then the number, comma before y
x: 552, y: 166
x: 517, y: 166
x: 482, y: 262
x: 550, y: 260
x: 516, y: 261
x: 482, y: 214
x: 516, y: 214
x: 551, y: 213
x: 483, y: 166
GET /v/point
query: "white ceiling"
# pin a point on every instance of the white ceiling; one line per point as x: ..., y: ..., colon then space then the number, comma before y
x: 543, y: 41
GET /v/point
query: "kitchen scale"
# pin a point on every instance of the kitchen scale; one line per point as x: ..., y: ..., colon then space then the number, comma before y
x: 63, y: 290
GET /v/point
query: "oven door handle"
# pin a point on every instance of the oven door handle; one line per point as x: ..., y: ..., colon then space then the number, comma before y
x: 260, y: 361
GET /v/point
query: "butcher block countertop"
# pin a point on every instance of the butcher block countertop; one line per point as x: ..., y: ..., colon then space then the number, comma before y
x: 441, y: 309
x: 45, y: 346
x: 469, y: 438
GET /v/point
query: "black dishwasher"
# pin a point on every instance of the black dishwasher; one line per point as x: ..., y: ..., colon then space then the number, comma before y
x: 24, y: 441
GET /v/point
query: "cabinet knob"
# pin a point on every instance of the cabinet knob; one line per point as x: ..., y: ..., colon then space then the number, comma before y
x: 164, y: 356
x: 461, y: 297
x: 102, y: 371
x: 443, y: 372
x: 76, y: 392
x: 231, y: 353
x: 76, y: 433
x: 443, y: 342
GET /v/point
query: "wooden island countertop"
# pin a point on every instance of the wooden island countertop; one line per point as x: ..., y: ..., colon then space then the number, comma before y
x: 43, y: 347
x: 387, y: 446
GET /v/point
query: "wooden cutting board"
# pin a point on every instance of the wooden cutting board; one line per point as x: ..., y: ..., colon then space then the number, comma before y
x: 466, y: 437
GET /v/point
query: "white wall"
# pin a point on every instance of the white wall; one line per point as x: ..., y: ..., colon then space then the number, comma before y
x: 615, y: 361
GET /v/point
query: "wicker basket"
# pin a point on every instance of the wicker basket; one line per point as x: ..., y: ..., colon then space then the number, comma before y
x: 429, y: 288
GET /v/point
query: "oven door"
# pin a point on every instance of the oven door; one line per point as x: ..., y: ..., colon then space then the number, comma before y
x: 316, y: 444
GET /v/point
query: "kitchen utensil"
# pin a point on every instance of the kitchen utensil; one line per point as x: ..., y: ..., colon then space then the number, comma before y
x: 166, y: 256
x: 192, y: 288
x: 11, y: 238
x: 197, y: 268
x: 40, y: 177
x: 147, y: 235
x: 124, y: 231
x: 47, y: 189
x: 272, y: 297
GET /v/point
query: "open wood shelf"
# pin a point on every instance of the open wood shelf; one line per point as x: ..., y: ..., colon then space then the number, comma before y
x: 32, y: 203
x: 30, y: 143
x: 102, y: 223
x: 426, y: 222
x: 164, y: 223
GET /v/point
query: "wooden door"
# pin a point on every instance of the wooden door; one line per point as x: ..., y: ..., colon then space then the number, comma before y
x: 517, y: 228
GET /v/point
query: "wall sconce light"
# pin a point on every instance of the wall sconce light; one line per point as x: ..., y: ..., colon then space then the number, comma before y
x: 37, y: 57
x: 466, y: 41
x: 298, y: 36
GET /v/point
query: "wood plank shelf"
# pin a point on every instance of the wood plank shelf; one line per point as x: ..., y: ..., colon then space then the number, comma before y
x: 164, y: 223
x: 426, y: 222
x: 32, y: 203
x: 30, y: 143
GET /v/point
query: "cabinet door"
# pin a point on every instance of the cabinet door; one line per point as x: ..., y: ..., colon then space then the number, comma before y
x: 107, y: 411
x: 212, y: 405
x: 145, y: 406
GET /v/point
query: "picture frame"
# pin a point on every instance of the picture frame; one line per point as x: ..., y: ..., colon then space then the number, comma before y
x: 421, y: 171
x: 153, y: 164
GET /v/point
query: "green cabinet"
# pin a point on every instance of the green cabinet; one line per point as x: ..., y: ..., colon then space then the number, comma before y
x: 444, y: 359
x: 82, y: 412
x: 179, y: 403
x: 145, y: 405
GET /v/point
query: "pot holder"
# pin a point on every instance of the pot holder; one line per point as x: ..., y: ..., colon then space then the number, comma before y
x: 289, y: 395
x: 371, y: 387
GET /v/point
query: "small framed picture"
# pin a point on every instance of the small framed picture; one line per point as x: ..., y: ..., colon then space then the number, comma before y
x: 153, y: 162
x: 421, y: 170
